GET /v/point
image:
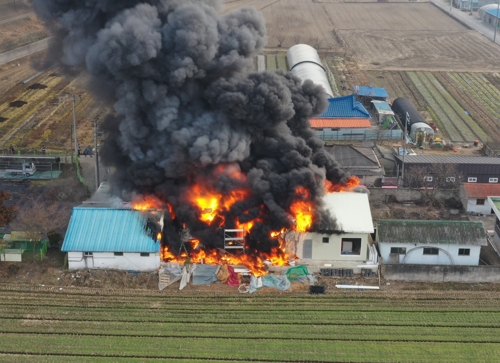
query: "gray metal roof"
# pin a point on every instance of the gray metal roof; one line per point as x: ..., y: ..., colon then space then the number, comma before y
x: 301, y: 53
x: 431, y: 232
x: 437, y: 159
x: 350, y: 156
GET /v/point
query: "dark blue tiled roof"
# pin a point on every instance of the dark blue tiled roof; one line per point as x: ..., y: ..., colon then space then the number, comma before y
x: 370, y: 91
x: 344, y: 107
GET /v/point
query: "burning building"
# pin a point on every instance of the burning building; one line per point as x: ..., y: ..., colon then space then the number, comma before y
x: 194, y: 130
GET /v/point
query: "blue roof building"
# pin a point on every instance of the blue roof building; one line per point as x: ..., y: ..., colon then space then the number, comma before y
x: 372, y: 92
x: 110, y: 238
x: 345, y: 107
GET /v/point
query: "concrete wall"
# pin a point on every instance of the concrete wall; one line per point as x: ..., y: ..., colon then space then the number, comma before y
x: 107, y: 260
x: 448, y: 254
x: 382, y: 195
x: 432, y: 273
x: 332, y: 251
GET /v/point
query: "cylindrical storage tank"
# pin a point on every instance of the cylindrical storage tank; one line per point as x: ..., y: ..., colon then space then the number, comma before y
x: 401, y: 106
x: 304, y: 62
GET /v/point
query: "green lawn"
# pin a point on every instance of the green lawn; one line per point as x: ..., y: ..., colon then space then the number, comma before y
x: 72, y: 326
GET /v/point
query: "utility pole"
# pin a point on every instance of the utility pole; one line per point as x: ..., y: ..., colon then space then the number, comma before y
x: 496, y: 21
x: 74, y: 127
x: 96, y: 154
x: 407, y: 120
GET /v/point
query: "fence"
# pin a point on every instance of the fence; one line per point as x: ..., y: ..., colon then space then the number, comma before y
x: 358, y: 135
x: 441, y: 273
x: 20, y: 248
x: 406, y: 195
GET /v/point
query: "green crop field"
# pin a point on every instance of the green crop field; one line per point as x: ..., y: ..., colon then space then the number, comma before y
x: 357, y: 326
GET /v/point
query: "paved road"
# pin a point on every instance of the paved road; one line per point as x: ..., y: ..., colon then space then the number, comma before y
x: 24, y: 51
x: 473, y: 21
x: 87, y: 164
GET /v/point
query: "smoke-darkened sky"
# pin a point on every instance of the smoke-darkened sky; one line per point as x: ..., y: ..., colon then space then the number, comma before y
x: 179, y: 76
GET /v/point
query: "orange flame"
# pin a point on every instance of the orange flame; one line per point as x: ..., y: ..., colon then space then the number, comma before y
x: 302, y: 210
x: 147, y: 202
x: 351, y: 183
x: 256, y: 263
x: 212, y: 203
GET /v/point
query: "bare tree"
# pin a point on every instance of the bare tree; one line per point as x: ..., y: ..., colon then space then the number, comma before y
x: 433, y: 178
x: 7, y: 213
x: 316, y: 43
x: 37, y: 219
x: 280, y: 39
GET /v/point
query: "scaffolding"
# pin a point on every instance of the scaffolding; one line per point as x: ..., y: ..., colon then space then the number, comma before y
x: 234, y: 239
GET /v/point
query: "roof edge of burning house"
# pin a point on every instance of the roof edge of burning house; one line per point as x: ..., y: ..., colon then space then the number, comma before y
x: 351, y: 211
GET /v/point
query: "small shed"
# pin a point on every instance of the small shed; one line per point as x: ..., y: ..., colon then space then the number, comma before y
x: 13, y: 246
x: 367, y: 94
x: 474, y: 196
x: 430, y: 242
x: 350, y: 243
x: 108, y: 238
x: 384, y: 112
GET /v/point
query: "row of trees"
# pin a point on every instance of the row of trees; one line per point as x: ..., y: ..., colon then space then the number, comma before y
x: 35, y: 218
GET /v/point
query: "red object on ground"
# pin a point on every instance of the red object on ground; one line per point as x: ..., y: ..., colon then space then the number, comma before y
x: 233, y: 277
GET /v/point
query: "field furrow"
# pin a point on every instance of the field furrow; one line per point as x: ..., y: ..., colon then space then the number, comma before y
x: 128, y: 326
x: 478, y: 91
x: 271, y: 62
x: 432, y: 97
x: 468, y: 127
x: 281, y: 58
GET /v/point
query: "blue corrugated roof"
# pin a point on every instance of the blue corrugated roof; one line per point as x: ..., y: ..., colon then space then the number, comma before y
x: 370, y: 91
x: 493, y: 12
x: 344, y: 107
x: 108, y: 230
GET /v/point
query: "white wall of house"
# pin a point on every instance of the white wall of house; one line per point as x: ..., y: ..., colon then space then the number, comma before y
x: 478, y: 205
x: 447, y: 254
x: 108, y: 260
x: 312, y: 250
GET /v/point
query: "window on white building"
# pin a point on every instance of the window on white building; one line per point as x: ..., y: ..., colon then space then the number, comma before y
x: 450, y: 179
x: 87, y: 254
x: 118, y: 253
x: 480, y: 201
x: 464, y: 251
x: 428, y: 178
x: 431, y: 251
x: 398, y: 250
x: 144, y: 254
x: 326, y: 239
x: 351, y: 246
x: 493, y: 180
x: 471, y: 180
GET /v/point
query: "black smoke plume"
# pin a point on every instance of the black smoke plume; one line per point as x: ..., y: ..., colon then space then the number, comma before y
x: 186, y: 101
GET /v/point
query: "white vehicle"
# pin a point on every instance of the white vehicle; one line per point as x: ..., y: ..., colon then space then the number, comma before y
x: 26, y: 169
